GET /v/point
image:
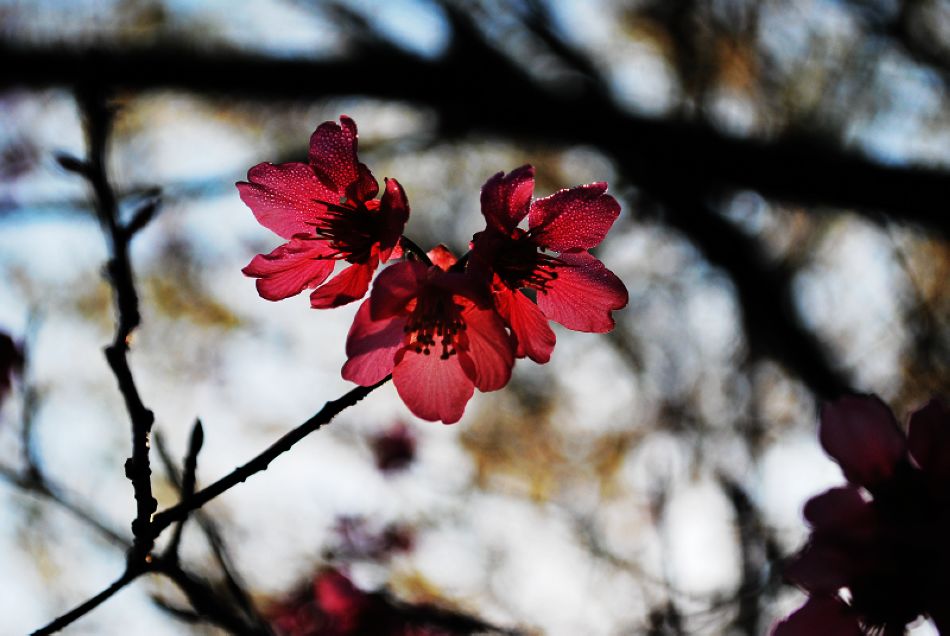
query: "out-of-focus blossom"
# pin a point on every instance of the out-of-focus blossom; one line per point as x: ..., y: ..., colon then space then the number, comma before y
x: 883, y: 538
x: 573, y: 287
x: 436, y: 332
x: 11, y: 363
x: 358, y: 539
x: 334, y: 606
x: 394, y: 448
x: 328, y: 212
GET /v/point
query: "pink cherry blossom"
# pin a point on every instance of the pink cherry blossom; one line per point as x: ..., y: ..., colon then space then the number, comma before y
x: 436, y: 332
x: 328, y: 212
x: 550, y: 259
x: 882, y: 538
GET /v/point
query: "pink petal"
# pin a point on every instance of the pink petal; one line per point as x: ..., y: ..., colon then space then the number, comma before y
x: 339, y: 599
x: 842, y: 511
x: 349, y: 285
x: 433, y: 388
x: 821, y: 568
x: 371, y: 347
x: 820, y: 616
x: 291, y: 268
x: 583, y: 294
x: 940, y: 615
x: 395, y: 210
x: 505, y: 198
x: 578, y: 218
x: 442, y: 257
x: 395, y: 287
x: 928, y: 440
x: 530, y: 327
x: 334, y: 159
x: 489, y: 347
x: 283, y: 197
x: 12, y: 360
x: 861, y: 434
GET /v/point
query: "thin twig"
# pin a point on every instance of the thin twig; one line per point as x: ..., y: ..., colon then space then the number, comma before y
x: 203, y: 599
x: 81, y: 610
x: 98, y: 118
x: 54, y: 494
x: 410, y: 246
x: 232, y: 579
x: 186, y: 484
x: 330, y: 410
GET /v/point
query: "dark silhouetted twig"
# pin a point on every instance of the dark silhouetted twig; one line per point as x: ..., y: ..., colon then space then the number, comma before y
x: 98, y: 117
x: 330, y: 410
x: 81, y: 610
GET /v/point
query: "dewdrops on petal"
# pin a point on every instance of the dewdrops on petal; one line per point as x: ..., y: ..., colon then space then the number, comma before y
x: 328, y: 212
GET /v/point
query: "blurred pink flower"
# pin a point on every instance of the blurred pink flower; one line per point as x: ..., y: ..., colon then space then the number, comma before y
x: 882, y: 537
x: 359, y: 538
x: 394, y: 448
x: 334, y: 606
x: 11, y: 363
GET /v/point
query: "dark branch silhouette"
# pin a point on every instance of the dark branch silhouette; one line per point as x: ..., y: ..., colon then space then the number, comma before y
x: 330, y: 410
x: 654, y: 154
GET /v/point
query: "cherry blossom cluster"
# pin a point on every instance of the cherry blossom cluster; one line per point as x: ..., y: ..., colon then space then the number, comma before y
x: 878, y: 555
x: 442, y: 326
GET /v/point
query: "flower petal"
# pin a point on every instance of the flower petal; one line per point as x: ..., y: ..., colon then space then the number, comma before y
x: 442, y: 257
x: 928, y: 440
x: 578, y: 218
x: 489, y: 346
x: 284, y: 197
x: 533, y: 334
x: 291, y: 268
x: 821, y: 568
x: 583, y: 294
x: 349, y: 285
x: 861, y: 434
x: 371, y: 347
x: 820, y: 616
x: 395, y: 210
x: 433, y: 388
x: 11, y: 362
x: 841, y: 511
x: 940, y: 615
x: 505, y: 198
x: 333, y: 157
x: 395, y: 287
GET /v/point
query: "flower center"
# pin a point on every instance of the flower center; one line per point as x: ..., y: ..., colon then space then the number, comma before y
x: 435, y: 321
x: 521, y: 264
x: 351, y: 227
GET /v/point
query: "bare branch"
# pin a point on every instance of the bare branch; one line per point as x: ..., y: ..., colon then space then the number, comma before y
x: 54, y: 494
x: 98, y: 118
x: 78, y: 612
x: 655, y: 154
x: 186, y: 488
x: 330, y: 410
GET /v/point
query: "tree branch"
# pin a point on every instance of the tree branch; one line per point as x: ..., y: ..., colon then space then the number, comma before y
x: 330, y: 410
x: 654, y: 154
x: 78, y: 612
x: 98, y: 117
x: 186, y: 488
x: 41, y: 487
x: 771, y: 322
